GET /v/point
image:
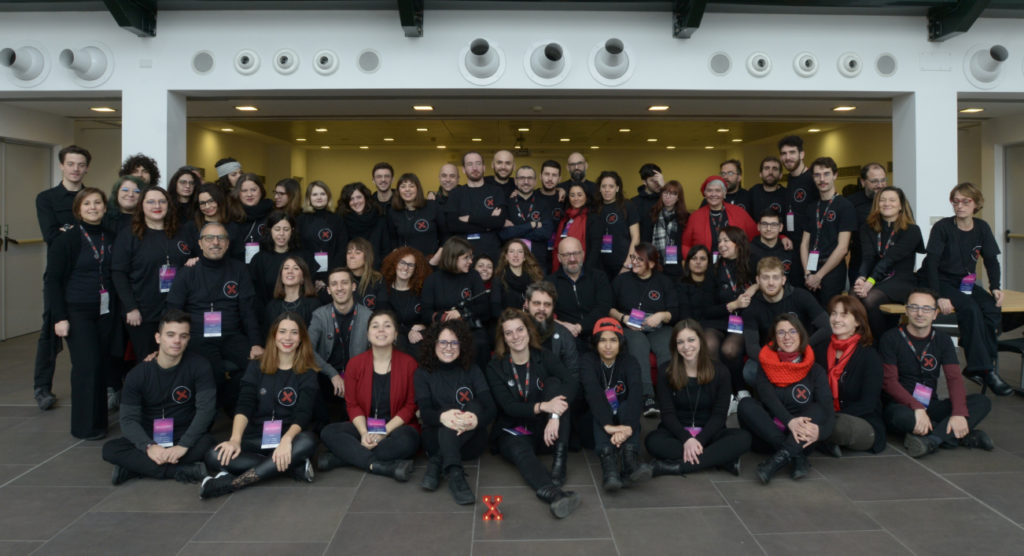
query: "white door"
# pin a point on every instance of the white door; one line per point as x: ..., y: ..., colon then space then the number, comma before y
x: 26, y: 170
x: 1014, y: 184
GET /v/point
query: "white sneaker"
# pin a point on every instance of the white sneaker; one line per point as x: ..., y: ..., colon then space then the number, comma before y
x: 733, y: 404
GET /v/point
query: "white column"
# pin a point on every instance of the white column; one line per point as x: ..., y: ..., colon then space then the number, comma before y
x: 153, y: 123
x: 924, y: 150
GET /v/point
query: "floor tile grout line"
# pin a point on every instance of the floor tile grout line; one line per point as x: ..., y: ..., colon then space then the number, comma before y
x: 828, y: 532
x: 572, y: 539
x: 40, y: 464
x: 600, y: 501
x: 203, y: 526
x: 740, y: 519
x: 472, y: 526
x: 355, y: 491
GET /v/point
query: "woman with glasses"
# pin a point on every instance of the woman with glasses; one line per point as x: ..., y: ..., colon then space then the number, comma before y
x: 288, y: 197
x: 954, y: 246
x: 455, y: 293
x: 455, y: 405
x: 795, y: 408
x: 668, y: 220
x: 405, y: 270
x: 888, y: 241
x: 212, y: 206
x: 613, y: 231
x: 705, y: 223
x: 124, y: 197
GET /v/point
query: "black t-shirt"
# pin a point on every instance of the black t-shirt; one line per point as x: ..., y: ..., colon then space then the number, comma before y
x: 920, y: 364
x: 136, y: 269
x: 613, y: 220
x: 170, y: 393
x: 380, y: 397
x: 284, y: 395
x: 762, y: 200
x: 652, y: 295
x: 419, y: 229
x: 343, y: 331
x: 826, y: 219
x: 790, y: 259
x: 802, y: 194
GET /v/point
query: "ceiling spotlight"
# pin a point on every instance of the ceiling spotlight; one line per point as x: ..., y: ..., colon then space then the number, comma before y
x: 813, y: 130
x: 422, y: 129
x: 971, y: 110
x: 595, y: 147
x: 652, y: 140
x: 321, y: 130
x: 246, y: 108
x: 389, y: 139
x: 325, y: 147
x: 657, y: 108
x: 422, y: 107
x: 300, y: 139
x: 737, y: 140
x: 476, y: 139
x: 227, y: 129
x: 709, y: 147
x: 523, y: 129
x: 102, y: 109
x: 564, y: 139
x: 722, y: 130
x: 364, y: 147
x: 624, y: 130
x: 442, y: 147
x: 670, y: 147
x: 844, y: 108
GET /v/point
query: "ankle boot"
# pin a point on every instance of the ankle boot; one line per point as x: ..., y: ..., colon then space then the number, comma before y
x: 398, y: 470
x: 769, y: 467
x: 432, y: 476
x: 801, y: 467
x: 661, y: 467
x: 610, y: 469
x: 461, y: 492
x: 558, y: 463
x: 733, y: 468
x: 632, y: 467
x: 561, y: 502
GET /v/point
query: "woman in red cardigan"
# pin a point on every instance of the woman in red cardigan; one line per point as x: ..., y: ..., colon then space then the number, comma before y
x: 704, y: 224
x: 382, y: 434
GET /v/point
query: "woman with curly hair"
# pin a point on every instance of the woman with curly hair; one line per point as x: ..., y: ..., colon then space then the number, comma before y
x: 142, y: 167
x: 404, y: 271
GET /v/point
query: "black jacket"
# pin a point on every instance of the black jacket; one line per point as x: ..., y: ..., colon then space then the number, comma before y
x: 584, y: 301
x: 548, y: 378
x: 695, y: 405
x: 860, y: 388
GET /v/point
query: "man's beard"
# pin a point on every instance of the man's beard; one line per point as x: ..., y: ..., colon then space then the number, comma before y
x: 543, y: 328
x: 577, y: 175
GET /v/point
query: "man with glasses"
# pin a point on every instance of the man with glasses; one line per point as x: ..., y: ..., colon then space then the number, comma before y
x: 912, y: 357
x: 732, y: 171
x: 578, y: 176
x: 584, y: 296
x: 872, y: 180
x: 218, y: 295
x: 529, y: 216
x: 769, y: 194
x: 768, y: 243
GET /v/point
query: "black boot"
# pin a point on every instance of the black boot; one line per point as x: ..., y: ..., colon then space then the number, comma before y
x: 190, y: 473
x: 661, y: 467
x: 399, y: 470
x: 461, y: 492
x: 996, y: 384
x: 558, y: 463
x: 432, y: 476
x: 561, y: 502
x: 919, y: 446
x: 801, y: 467
x: 120, y: 475
x: 328, y: 460
x: 830, y: 449
x: 610, y: 469
x: 733, y: 468
x: 632, y: 467
x: 769, y: 467
x: 977, y: 439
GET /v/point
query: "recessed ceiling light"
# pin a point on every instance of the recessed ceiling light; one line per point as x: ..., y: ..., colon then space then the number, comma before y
x: 844, y: 108
x: 523, y: 129
x: 300, y: 139
x: 595, y: 147
x: 321, y: 130
x: 389, y: 139
x: 246, y: 108
x: 422, y: 129
x: 709, y: 147
x: 476, y: 139
x: 102, y: 109
x: 364, y: 147
x: 813, y: 130
x: 517, y: 147
x: 564, y: 139
x: 624, y: 130
x: 227, y: 129
x: 737, y: 140
x: 422, y: 107
x: 722, y: 130
x: 325, y: 147
x: 670, y: 147
x: 442, y: 147
x: 652, y: 140
x: 963, y: 111
x: 657, y: 108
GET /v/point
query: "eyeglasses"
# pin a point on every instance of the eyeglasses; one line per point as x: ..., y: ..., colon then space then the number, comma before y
x: 207, y: 202
x: 154, y: 202
x: 877, y: 182
x: 280, y: 193
x: 211, y: 237
x: 787, y: 333
x: 405, y: 264
x: 770, y: 225
x: 571, y: 254
x: 448, y: 344
x: 923, y: 309
x: 961, y: 202
x: 526, y: 178
x: 729, y: 173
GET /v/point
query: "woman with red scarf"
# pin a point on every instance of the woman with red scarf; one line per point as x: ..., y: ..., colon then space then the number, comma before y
x: 574, y: 221
x: 795, y: 410
x: 855, y: 377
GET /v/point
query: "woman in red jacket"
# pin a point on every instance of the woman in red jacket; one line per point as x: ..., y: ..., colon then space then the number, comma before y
x: 382, y: 434
x: 704, y: 224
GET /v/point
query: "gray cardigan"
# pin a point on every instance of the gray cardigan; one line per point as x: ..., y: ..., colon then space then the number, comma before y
x: 321, y: 333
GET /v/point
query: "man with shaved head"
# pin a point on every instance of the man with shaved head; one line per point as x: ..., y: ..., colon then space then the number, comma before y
x: 584, y: 294
x: 578, y: 175
x: 503, y: 164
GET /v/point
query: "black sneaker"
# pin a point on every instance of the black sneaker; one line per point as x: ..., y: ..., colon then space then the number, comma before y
x: 919, y: 446
x: 432, y: 476
x: 191, y: 473
x: 461, y: 492
x: 44, y: 398
x: 651, y: 407
x: 977, y: 439
x: 328, y: 460
x: 121, y: 475
x: 304, y: 472
x: 213, y: 487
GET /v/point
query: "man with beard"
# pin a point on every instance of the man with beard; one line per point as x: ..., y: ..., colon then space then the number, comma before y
x: 529, y: 217
x: 801, y: 188
x: 477, y: 211
x: 503, y: 164
x: 578, y: 176
x: 550, y: 173
x: 732, y: 171
x: 872, y: 180
x: 448, y: 178
x: 769, y: 194
x: 383, y: 174
x: 584, y: 296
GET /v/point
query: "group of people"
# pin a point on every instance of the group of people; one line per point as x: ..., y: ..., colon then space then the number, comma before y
x: 498, y: 314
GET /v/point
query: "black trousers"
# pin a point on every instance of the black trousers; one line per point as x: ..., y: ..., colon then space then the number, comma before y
x: 766, y: 436
x: 603, y: 440
x: 121, y: 451
x: 233, y: 349
x: 453, y: 448
x: 899, y: 417
x: 47, y: 348
x: 89, y: 346
x: 834, y: 283
x: 521, y: 451
x: 978, y: 319
x: 143, y: 338
x: 253, y: 457
x: 343, y: 440
x: 725, y: 447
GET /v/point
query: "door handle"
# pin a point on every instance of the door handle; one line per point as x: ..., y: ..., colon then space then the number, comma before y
x: 1010, y: 235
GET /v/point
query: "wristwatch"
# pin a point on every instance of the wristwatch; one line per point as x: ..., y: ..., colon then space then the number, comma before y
x: 555, y: 416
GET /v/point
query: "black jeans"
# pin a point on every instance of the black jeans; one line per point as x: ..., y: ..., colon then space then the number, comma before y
x: 258, y: 459
x: 899, y: 417
x: 767, y: 436
x: 453, y: 448
x: 47, y: 348
x: 978, y: 319
x: 89, y: 346
x: 725, y: 447
x: 521, y: 451
x: 343, y: 440
x: 121, y: 451
x: 603, y: 440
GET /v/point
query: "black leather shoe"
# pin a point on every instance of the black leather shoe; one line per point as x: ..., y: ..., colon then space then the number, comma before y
x: 919, y: 446
x: 44, y: 398
x: 801, y: 467
x: 977, y: 439
x: 661, y: 467
x: 191, y: 472
x: 769, y: 467
x: 996, y: 384
x: 328, y: 460
x: 561, y: 502
x: 461, y: 492
x: 732, y: 468
x: 120, y: 475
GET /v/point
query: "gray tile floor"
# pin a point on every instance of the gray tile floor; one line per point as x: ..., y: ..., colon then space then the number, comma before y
x: 56, y: 498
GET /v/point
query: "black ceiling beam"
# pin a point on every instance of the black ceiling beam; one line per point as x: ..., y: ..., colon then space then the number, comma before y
x: 136, y: 16
x: 686, y: 16
x: 411, y: 14
x: 945, y: 22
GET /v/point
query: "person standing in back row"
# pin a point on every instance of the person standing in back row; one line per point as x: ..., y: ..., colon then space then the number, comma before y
x: 826, y: 240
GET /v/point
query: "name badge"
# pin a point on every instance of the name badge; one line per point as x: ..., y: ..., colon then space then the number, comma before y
x: 606, y: 243
x: 735, y: 324
x: 212, y: 321
x: 551, y: 243
x: 694, y: 431
x: 473, y: 237
x: 790, y: 222
x: 671, y: 254
x: 271, y: 434
x: 529, y: 244
x: 967, y: 284
x: 613, y: 400
x: 321, y: 261
x: 518, y: 431
x: 565, y: 230
x: 376, y: 426
x: 163, y: 432
x: 812, y: 261
x: 104, y: 301
x: 251, y: 248
x: 780, y: 424
x: 714, y: 257
x: 923, y: 394
x: 636, y: 319
x: 167, y: 273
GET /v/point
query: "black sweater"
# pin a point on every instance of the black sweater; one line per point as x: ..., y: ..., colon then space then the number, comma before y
x: 284, y: 395
x: 860, y: 388
x: 323, y: 231
x: 953, y: 254
x: 72, y: 273
x: 881, y: 255
x: 584, y: 301
x: 781, y: 402
x: 548, y: 378
x: 223, y: 285
x: 624, y: 377
x: 444, y: 290
x: 451, y: 387
x: 136, y: 269
x: 759, y: 317
x: 695, y: 405
x: 53, y: 209
x: 265, y: 267
x: 419, y: 229
x: 478, y: 203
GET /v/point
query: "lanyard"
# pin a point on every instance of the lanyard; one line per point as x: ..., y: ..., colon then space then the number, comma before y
x: 728, y: 276
x: 924, y: 352
x: 882, y: 249
x: 249, y: 236
x: 515, y: 373
x: 693, y: 404
x: 334, y: 317
x: 821, y: 220
x: 717, y: 223
x: 99, y: 254
x: 519, y: 210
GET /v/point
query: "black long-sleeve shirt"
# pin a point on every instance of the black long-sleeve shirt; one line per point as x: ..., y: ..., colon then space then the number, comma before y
x: 285, y: 395
x: 695, y: 405
x: 483, y: 226
x: 53, y: 209
x: 323, y: 231
x: 451, y: 387
x: 445, y: 290
x: 584, y: 300
x: 759, y: 317
x: 889, y: 251
x: 73, y: 274
x: 786, y: 402
x: 953, y: 253
x: 761, y: 200
x: 652, y: 295
x: 547, y: 378
x: 136, y: 268
x: 223, y: 285
x: 624, y: 378
x: 419, y: 229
